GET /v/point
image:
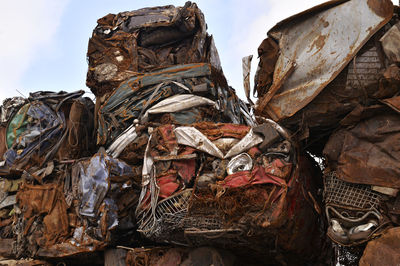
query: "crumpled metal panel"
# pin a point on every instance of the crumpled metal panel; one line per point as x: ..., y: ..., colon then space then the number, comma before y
x: 122, y: 141
x: 138, y: 94
x: 192, y: 137
x: 47, y: 200
x: 140, y: 41
x: 359, y: 82
x: 315, y: 46
x: 389, y: 43
x: 383, y: 251
x: 201, y: 204
x: 367, y: 153
x: 178, y: 103
x: 39, y: 129
x: 9, y: 107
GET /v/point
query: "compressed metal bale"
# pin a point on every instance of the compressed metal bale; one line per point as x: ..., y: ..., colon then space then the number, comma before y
x: 194, y: 206
x: 143, y: 40
x: 47, y: 124
x: 137, y: 95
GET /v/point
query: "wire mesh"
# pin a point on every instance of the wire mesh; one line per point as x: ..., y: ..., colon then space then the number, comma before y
x: 343, y: 193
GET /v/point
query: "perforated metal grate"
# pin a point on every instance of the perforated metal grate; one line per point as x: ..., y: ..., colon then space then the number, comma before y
x: 340, y: 192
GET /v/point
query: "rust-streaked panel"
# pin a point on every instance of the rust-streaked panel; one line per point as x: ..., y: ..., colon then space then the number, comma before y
x: 321, y: 42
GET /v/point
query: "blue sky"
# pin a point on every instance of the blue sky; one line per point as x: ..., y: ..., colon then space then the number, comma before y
x: 43, y: 43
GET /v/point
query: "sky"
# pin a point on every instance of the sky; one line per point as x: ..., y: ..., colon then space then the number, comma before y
x: 43, y: 43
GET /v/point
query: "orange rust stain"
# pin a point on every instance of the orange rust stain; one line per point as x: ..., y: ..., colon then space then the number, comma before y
x: 318, y: 43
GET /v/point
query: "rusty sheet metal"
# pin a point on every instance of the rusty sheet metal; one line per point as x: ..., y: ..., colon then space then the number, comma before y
x: 136, y: 95
x: 246, y: 66
x: 390, y: 43
x: 319, y: 42
x: 140, y: 41
x: 393, y: 103
x: 47, y: 200
x: 49, y: 126
x: 384, y: 250
x: 357, y: 85
x: 367, y: 153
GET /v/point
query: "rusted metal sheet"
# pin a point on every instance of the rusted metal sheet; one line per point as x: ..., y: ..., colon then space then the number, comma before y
x: 368, y: 153
x: 393, y: 103
x: 136, y: 97
x: 384, y: 250
x: 143, y: 40
x: 319, y: 43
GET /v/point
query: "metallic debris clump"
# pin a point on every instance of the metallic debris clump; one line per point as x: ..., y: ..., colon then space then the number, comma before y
x: 167, y: 166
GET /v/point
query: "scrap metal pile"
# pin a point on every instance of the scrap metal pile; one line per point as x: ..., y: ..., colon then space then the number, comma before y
x: 331, y: 75
x: 168, y: 166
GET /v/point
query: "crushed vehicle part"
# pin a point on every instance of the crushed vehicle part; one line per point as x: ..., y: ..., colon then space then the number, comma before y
x: 202, y: 205
x: 354, y: 211
x: 9, y: 107
x: 246, y: 65
x: 134, y: 97
x: 384, y: 250
x: 82, y: 208
x: 367, y: 153
x: 178, y: 103
x: 49, y: 123
x: 143, y: 40
x: 94, y: 182
x: 122, y: 141
x: 389, y: 43
x: 307, y: 42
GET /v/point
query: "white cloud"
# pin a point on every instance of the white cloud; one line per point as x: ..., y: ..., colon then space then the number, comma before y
x: 25, y: 27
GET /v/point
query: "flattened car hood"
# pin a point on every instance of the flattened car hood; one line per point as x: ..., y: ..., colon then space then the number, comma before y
x: 315, y: 46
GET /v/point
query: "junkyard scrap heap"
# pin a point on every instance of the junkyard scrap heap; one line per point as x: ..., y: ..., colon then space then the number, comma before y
x: 167, y: 166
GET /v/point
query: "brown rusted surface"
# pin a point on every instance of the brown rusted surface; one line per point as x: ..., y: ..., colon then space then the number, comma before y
x: 384, y: 250
x: 381, y: 8
x: 268, y: 52
x: 393, y: 103
x: 367, y: 153
x: 80, y: 130
x: 320, y: 49
x: 140, y: 41
x: 6, y: 247
x: 358, y: 85
x: 64, y: 250
x: 24, y: 262
x: 46, y: 200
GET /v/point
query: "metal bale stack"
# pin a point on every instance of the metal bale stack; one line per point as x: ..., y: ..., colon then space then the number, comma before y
x: 171, y: 165
x: 331, y: 75
x: 166, y: 136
